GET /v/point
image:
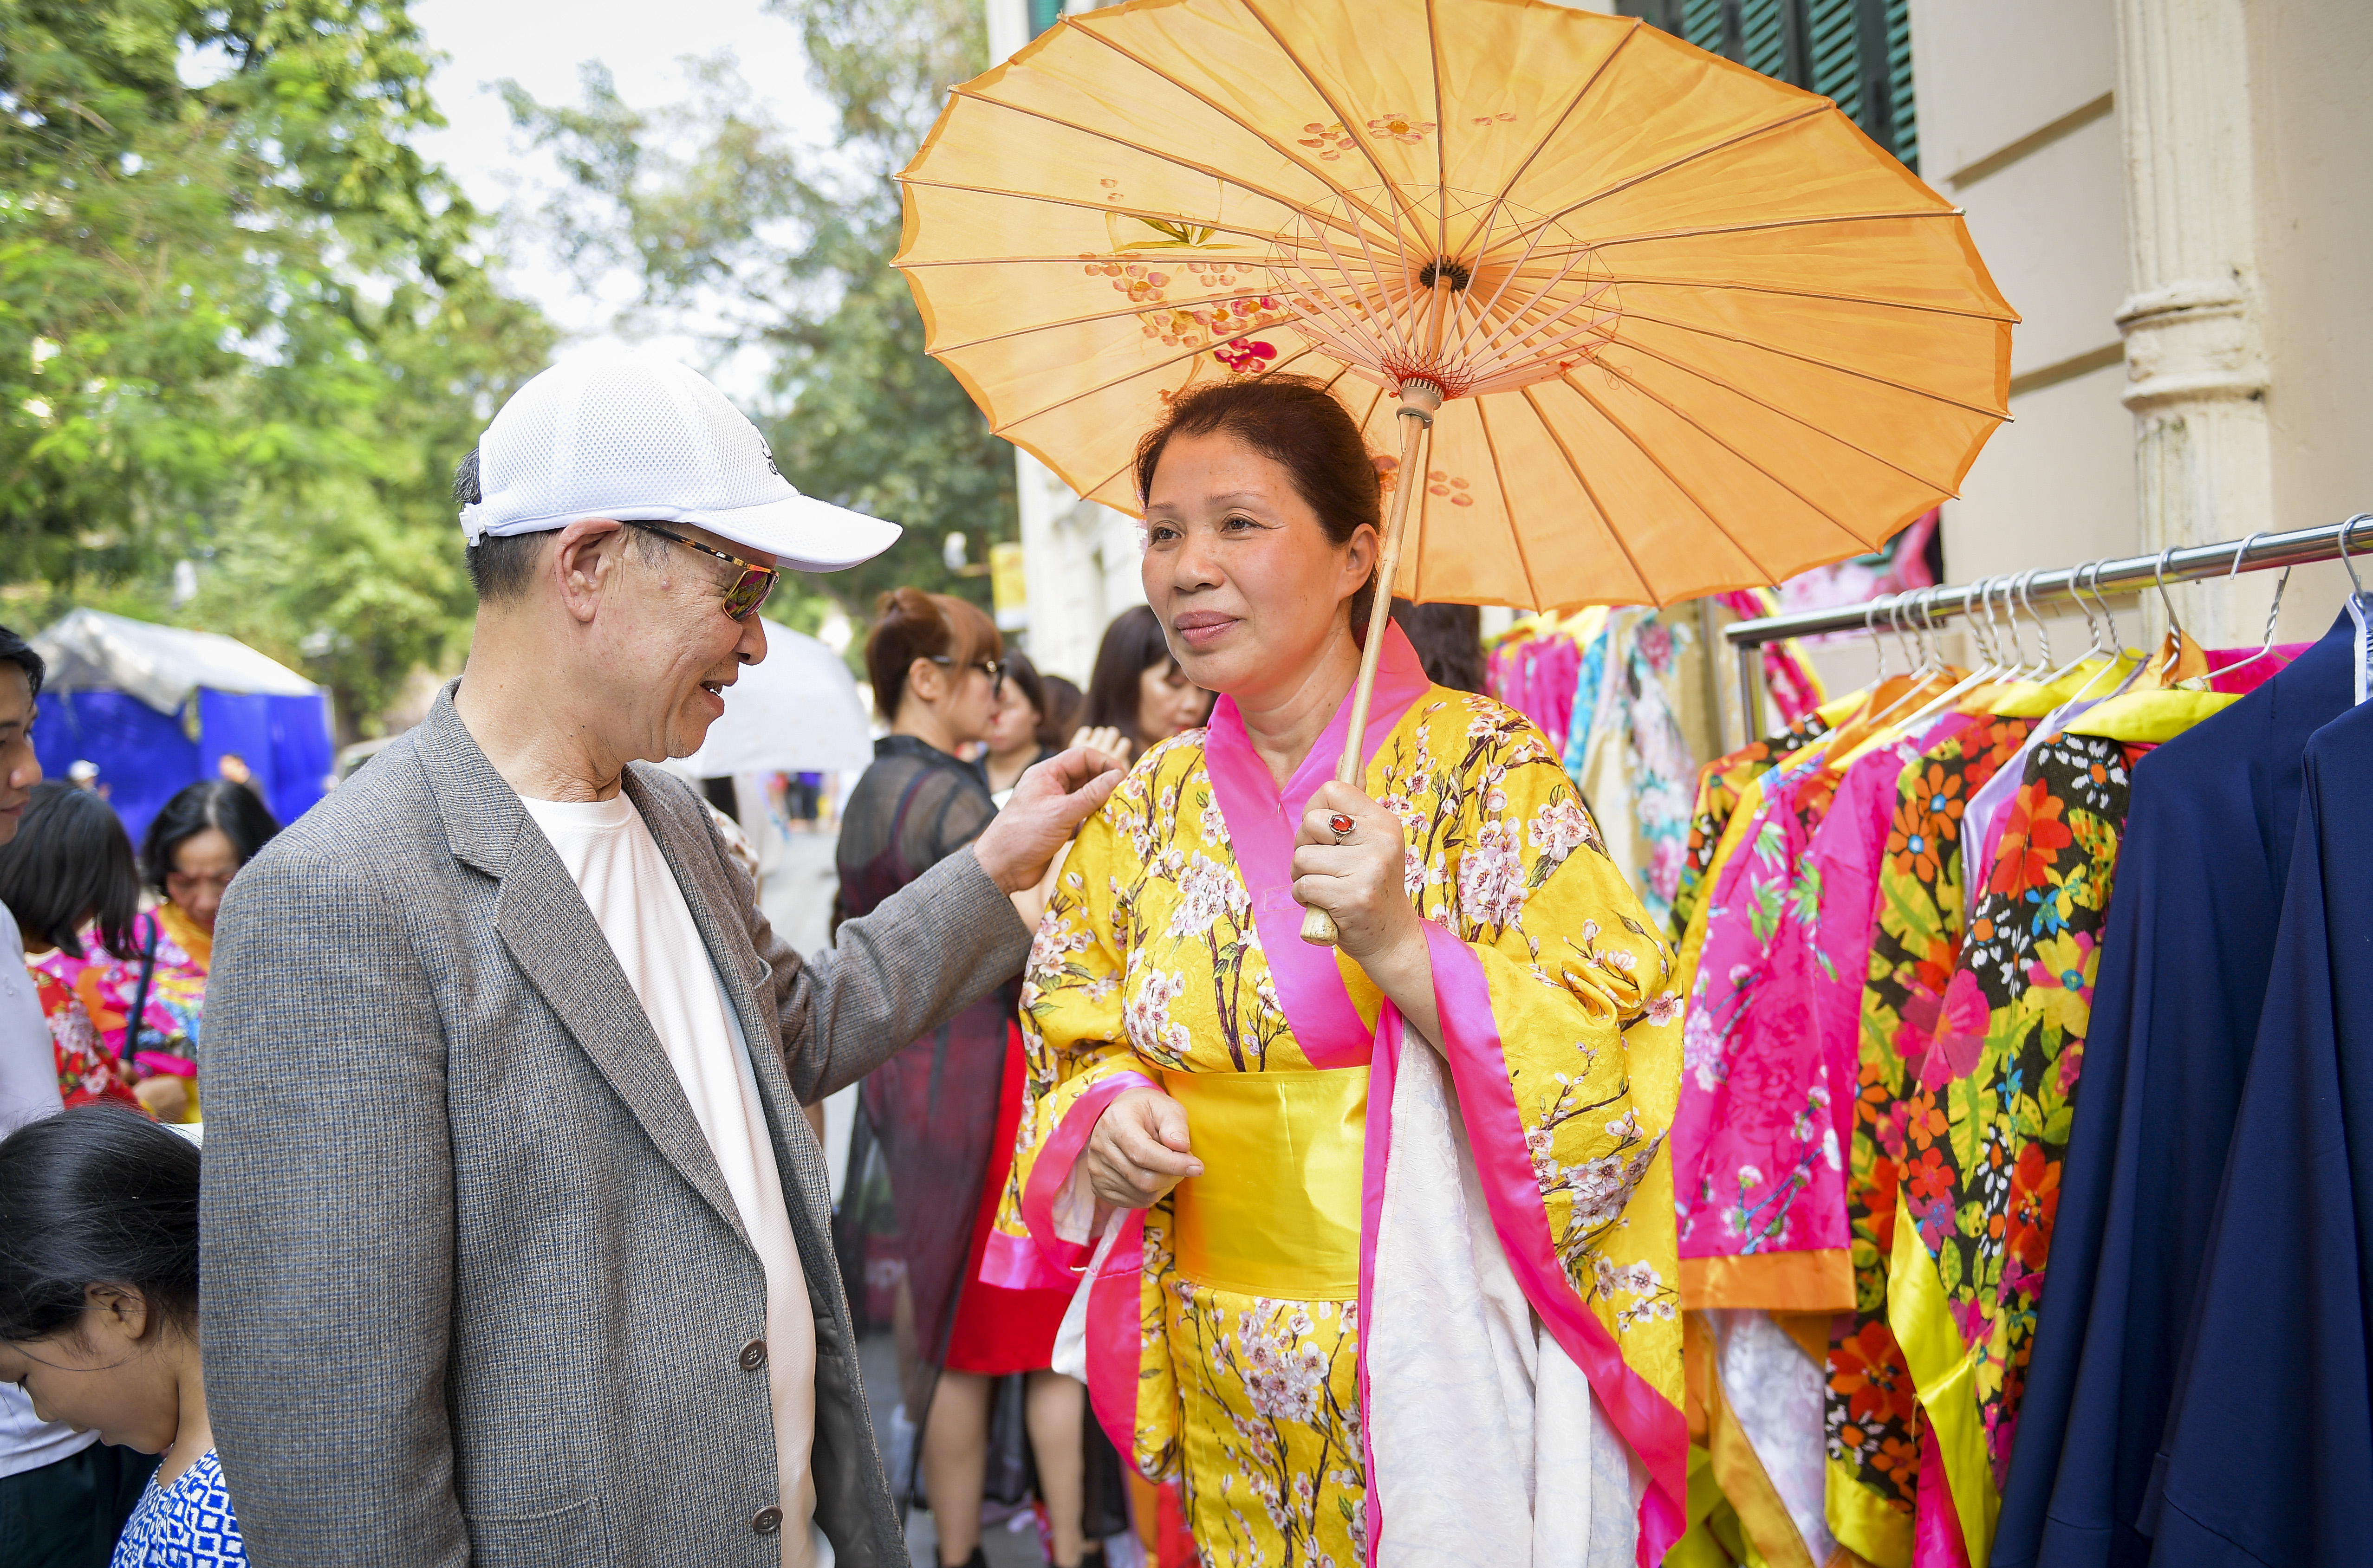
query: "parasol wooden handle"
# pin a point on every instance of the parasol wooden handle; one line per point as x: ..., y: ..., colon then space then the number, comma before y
x: 1418, y: 402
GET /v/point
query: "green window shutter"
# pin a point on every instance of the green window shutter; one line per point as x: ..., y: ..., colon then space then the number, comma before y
x: 1771, y: 37
x: 1830, y: 27
x: 1857, y: 53
x: 1701, y: 24
x: 1898, y: 81
x: 1043, y: 14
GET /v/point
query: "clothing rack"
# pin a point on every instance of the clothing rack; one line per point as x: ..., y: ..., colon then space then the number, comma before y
x: 1919, y: 609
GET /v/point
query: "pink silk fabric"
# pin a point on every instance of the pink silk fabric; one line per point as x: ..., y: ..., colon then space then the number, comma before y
x: 1774, y: 1034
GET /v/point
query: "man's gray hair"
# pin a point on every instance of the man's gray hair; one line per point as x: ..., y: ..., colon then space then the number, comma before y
x: 501, y: 566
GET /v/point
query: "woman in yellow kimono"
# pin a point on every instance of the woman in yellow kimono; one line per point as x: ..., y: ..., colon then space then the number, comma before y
x: 1365, y: 1308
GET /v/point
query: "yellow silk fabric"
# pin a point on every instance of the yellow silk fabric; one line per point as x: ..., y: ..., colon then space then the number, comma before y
x: 1276, y: 1211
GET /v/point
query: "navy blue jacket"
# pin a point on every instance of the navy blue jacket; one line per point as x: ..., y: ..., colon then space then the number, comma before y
x: 2269, y: 1453
x: 2183, y: 980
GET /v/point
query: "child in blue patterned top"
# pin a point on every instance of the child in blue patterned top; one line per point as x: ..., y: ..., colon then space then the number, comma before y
x: 99, y: 1313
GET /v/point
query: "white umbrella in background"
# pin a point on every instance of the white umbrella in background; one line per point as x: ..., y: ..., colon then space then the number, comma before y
x: 795, y: 711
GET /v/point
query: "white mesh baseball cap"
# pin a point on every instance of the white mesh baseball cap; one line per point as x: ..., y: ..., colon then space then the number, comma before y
x: 615, y: 433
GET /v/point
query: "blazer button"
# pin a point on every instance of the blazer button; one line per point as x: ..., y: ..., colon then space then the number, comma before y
x: 753, y: 1355
x: 767, y: 1521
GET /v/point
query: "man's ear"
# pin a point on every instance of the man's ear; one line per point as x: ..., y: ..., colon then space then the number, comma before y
x: 585, y: 563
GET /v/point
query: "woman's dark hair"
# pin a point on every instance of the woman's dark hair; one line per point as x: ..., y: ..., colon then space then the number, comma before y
x: 70, y: 861
x: 233, y: 809
x: 1065, y: 707
x: 95, y: 1195
x: 1033, y: 686
x: 909, y: 624
x: 1448, y: 639
x: 1133, y: 643
x: 1294, y: 421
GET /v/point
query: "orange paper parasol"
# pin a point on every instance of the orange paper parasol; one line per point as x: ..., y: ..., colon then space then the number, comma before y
x: 1666, y: 326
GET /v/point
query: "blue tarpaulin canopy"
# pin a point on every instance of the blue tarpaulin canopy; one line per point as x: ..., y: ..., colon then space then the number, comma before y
x: 155, y: 708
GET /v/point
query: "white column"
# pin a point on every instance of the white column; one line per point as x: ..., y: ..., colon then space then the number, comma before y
x: 1008, y: 28
x: 2196, y: 366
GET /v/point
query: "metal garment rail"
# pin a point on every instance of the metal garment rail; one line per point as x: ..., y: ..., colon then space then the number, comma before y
x: 1922, y: 608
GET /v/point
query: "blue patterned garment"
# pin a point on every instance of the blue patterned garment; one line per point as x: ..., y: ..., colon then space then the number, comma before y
x: 187, y: 1525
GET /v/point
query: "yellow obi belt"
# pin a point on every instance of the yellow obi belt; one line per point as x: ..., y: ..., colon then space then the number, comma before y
x: 1276, y: 1211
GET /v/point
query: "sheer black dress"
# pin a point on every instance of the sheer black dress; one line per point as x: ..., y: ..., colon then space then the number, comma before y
x: 931, y: 1110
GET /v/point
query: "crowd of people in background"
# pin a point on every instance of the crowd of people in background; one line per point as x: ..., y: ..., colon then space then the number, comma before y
x: 116, y: 947
x: 966, y: 718
x: 100, y: 1003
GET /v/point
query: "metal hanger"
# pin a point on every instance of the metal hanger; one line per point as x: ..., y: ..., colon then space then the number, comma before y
x: 2042, y: 632
x: 1994, y: 669
x: 2117, y: 638
x: 2093, y: 647
x: 2355, y: 583
x: 2274, y: 609
x: 2158, y: 574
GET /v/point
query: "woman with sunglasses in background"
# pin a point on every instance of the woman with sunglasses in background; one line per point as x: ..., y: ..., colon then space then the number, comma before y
x: 941, y: 1118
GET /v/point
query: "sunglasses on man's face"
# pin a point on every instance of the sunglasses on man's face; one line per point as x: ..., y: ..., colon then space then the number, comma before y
x: 746, y: 592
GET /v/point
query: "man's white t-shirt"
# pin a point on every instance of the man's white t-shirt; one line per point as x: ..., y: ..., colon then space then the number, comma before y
x: 616, y: 864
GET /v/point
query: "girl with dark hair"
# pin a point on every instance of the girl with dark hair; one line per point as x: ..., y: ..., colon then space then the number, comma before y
x: 939, y: 1117
x: 194, y: 846
x: 1019, y: 734
x: 1067, y: 706
x: 1364, y: 1334
x: 98, y: 1314
x: 1138, y: 687
x: 68, y: 878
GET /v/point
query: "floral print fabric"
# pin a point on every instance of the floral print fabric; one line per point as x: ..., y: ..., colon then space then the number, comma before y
x: 87, y: 1075
x: 1149, y: 959
x: 1758, y: 1163
x: 2001, y: 1077
x: 1720, y: 784
x: 1637, y: 762
x: 1915, y: 943
x: 177, y: 984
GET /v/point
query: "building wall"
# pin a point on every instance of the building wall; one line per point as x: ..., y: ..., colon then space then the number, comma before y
x: 2310, y: 69
x: 2026, y: 138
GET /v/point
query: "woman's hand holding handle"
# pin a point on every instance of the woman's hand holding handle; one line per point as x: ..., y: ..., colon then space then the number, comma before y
x: 1139, y: 1150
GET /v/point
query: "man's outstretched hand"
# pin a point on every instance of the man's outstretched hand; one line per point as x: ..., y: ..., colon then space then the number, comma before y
x: 1046, y: 807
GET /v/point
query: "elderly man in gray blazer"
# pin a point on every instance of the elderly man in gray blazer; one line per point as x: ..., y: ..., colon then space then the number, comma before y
x: 515, y: 1246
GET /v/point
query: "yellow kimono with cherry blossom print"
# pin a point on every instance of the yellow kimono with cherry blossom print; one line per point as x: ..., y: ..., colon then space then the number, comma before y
x: 1225, y: 1336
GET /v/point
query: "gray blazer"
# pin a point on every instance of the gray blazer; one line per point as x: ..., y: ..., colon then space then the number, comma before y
x: 474, y: 1291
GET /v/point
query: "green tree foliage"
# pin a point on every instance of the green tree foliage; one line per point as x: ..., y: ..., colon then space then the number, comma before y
x: 717, y: 208
x: 242, y: 324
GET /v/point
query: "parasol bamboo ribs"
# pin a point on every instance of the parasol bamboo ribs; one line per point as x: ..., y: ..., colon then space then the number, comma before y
x: 1420, y: 399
